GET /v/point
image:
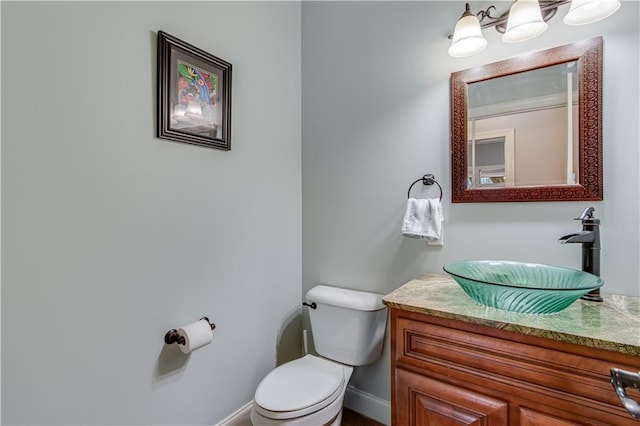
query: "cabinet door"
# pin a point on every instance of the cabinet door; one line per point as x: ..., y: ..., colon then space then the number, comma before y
x: 423, y: 401
x: 534, y: 418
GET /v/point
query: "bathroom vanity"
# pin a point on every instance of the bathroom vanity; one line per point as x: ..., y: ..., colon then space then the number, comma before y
x: 455, y: 362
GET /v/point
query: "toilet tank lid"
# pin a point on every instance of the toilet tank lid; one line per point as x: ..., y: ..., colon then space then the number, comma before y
x: 345, y: 298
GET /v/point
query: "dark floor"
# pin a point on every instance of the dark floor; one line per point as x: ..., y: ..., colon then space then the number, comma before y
x: 351, y: 418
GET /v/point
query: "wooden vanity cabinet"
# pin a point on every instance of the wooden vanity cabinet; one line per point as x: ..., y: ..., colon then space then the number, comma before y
x: 450, y: 372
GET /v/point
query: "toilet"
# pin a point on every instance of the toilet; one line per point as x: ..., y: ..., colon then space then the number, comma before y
x: 348, y: 330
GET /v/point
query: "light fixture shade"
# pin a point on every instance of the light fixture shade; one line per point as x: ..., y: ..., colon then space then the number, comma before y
x: 467, y: 36
x: 525, y: 21
x: 587, y: 11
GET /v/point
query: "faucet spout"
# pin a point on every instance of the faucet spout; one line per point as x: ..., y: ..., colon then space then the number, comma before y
x: 584, y: 237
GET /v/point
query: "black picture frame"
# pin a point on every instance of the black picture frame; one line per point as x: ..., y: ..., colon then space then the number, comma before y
x: 194, y: 95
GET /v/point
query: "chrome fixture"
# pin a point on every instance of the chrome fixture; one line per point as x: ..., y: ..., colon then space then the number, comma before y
x: 621, y: 380
x: 524, y: 20
x: 589, y: 237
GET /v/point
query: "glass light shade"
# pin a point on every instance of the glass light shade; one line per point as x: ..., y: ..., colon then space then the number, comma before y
x: 587, y: 11
x: 467, y: 37
x: 525, y: 21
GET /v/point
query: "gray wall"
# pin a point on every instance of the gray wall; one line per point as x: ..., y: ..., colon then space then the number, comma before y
x: 376, y: 117
x: 112, y: 236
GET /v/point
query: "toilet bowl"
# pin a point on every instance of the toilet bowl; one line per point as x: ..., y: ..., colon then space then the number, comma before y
x: 348, y: 330
x: 307, y: 391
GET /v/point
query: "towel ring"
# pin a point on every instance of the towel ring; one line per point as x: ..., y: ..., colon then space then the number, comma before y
x: 426, y: 180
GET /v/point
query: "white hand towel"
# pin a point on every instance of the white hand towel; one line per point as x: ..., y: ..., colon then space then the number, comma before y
x: 423, y: 219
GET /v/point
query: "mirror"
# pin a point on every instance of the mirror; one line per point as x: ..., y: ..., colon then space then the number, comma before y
x: 529, y: 128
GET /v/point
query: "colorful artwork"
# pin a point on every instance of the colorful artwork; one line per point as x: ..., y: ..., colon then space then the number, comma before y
x: 197, y: 93
x: 194, y: 95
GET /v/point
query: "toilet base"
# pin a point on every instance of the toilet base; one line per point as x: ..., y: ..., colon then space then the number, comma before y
x: 338, y: 419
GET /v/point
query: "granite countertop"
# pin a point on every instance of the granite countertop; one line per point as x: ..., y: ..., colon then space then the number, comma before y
x: 612, y: 325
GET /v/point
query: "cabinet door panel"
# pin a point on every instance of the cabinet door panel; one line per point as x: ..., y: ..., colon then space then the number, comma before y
x: 535, y: 418
x: 422, y: 401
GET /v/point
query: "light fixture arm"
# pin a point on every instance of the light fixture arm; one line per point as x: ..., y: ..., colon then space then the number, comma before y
x: 483, y: 14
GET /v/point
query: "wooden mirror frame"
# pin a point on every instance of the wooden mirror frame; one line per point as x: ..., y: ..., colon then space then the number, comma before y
x: 588, y: 55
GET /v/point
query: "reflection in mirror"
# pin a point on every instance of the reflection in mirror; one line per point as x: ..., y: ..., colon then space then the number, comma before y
x: 538, y: 106
x: 528, y: 129
x: 491, y: 158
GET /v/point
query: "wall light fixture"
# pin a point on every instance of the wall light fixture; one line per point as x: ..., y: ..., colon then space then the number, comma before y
x: 524, y: 20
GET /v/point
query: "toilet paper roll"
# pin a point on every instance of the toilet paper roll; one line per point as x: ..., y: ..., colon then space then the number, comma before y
x: 196, y: 335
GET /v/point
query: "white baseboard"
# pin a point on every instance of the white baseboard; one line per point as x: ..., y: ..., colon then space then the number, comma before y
x: 240, y: 417
x: 368, y: 405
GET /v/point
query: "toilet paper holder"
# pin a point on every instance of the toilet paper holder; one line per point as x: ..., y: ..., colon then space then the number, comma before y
x: 172, y: 335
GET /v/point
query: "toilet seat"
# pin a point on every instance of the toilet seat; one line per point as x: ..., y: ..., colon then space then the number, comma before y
x: 299, y: 387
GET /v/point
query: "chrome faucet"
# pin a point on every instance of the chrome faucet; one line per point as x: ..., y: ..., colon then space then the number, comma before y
x: 589, y: 237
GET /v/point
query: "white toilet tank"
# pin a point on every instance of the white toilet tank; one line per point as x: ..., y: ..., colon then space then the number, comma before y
x: 347, y: 325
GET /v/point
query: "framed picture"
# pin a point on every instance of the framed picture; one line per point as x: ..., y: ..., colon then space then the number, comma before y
x: 194, y: 95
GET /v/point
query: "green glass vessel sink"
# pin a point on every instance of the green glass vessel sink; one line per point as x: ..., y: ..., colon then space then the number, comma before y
x: 521, y: 287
